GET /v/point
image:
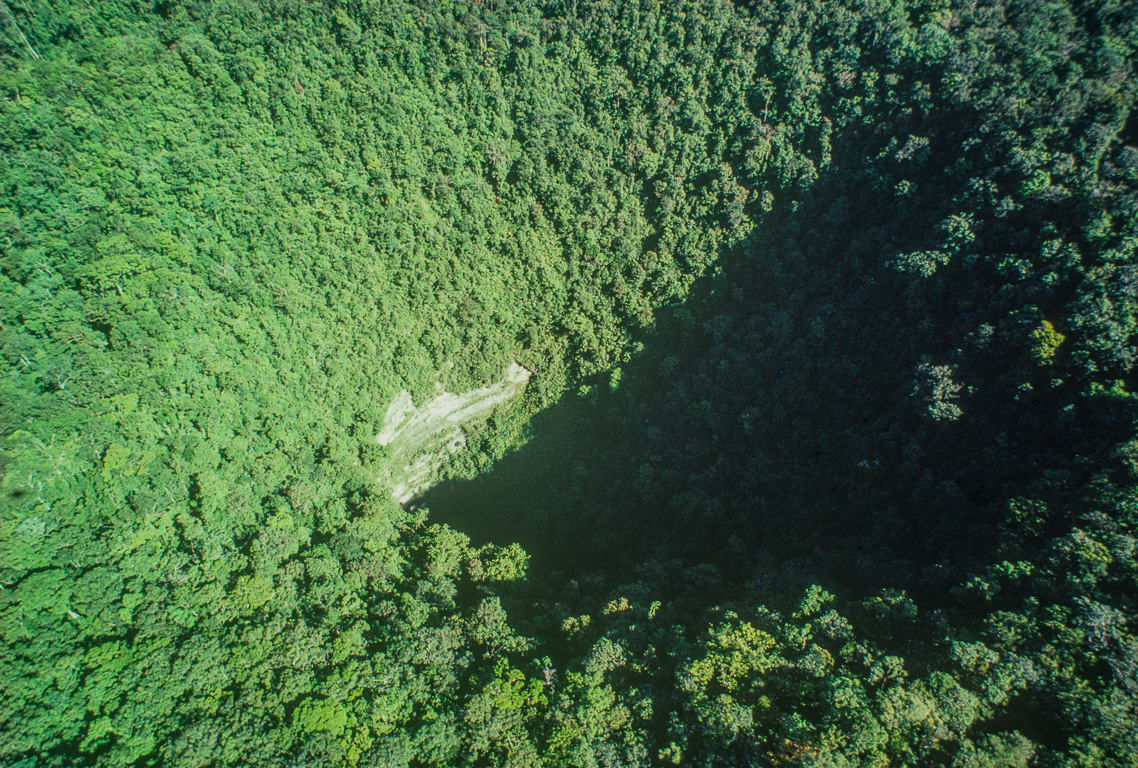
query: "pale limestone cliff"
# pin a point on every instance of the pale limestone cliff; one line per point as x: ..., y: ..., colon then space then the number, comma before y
x: 422, y: 439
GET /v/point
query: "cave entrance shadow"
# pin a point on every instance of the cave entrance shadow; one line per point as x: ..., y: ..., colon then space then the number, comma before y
x: 773, y: 426
x: 699, y: 456
x: 670, y: 465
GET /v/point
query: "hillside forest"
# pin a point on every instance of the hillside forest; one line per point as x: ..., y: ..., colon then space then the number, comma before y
x: 826, y: 454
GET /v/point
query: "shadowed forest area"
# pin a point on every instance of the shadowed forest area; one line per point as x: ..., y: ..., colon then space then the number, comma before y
x: 828, y: 457
x: 784, y: 405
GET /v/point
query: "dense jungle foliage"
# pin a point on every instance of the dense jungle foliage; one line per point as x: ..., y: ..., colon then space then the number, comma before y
x: 829, y: 457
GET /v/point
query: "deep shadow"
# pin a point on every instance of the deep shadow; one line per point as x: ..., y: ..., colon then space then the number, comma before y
x: 782, y: 420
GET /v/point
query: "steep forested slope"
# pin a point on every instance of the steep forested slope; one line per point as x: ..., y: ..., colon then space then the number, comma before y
x: 828, y: 457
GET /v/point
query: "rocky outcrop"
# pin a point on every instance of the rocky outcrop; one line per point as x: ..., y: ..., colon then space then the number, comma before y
x: 421, y: 439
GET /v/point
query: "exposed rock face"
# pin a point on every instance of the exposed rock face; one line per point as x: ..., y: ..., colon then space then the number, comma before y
x: 421, y: 439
